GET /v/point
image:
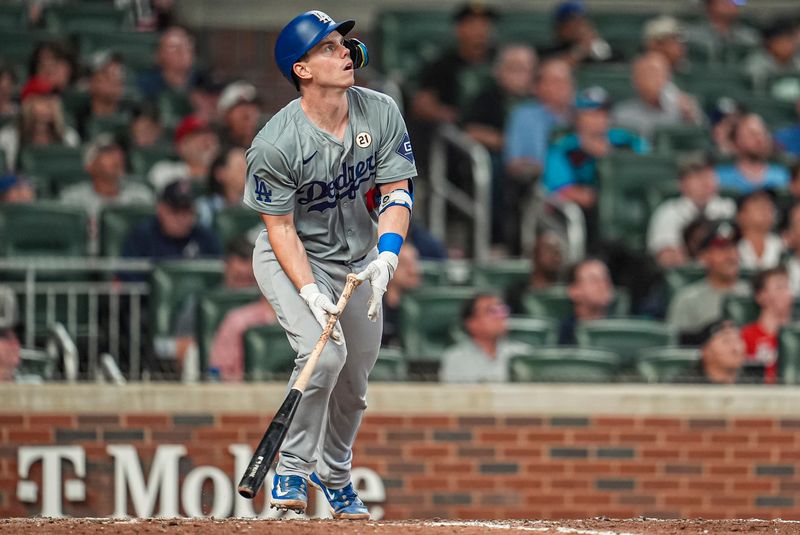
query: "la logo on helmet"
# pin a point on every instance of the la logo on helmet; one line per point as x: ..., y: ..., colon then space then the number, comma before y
x: 322, y: 16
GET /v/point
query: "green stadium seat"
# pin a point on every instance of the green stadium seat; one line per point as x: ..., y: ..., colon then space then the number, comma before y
x: 235, y: 221
x: 631, y: 187
x: 268, y: 355
x: 554, y: 303
x: 13, y: 16
x: 434, y: 272
x: 142, y: 159
x: 390, y: 366
x: 501, y: 274
x: 117, y: 125
x: 427, y: 318
x: 775, y: 113
x: 138, y: 49
x: 533, y: 331
x: 116, y: 222
x: 213, y: 308
x: 80, y: 16
x: 616, y: 79
x: 410, y: 38
x: 625, y: 336
x: 55, y: 165
x: 666, y: 364
x: 679, y: 277
x: 565, y: 364
x: 174, y: 281
x: 17, y: 44
x: 740, y: 308
x: 173, y: 106
x: 683, y: 138
x: 710, y: 82
x: 789, y: 354
x: 531, y: 27
x: 42, y: 229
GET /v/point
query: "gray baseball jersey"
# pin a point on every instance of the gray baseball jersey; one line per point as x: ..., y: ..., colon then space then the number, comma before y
x: 293, y: 166
x: 329, y: 186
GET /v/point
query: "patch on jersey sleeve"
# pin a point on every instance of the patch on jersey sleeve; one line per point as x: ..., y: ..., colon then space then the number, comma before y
x: 262, y: 192
x: 404, y: 148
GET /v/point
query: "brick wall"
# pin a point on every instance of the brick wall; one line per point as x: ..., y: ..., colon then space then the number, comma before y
x: 471, y: 466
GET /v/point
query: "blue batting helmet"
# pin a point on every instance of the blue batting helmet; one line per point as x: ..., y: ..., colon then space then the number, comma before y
x: 301, y: 34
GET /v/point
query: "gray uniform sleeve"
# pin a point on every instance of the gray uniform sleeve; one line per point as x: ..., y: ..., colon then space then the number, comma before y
x: 269, y: 187
x: 395, y: 157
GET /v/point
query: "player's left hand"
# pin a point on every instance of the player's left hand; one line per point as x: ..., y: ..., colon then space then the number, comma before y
x: 378, y: 272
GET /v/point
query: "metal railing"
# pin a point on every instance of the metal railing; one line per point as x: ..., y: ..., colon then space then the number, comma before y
x: 443, y: 192
x: 103, y: 314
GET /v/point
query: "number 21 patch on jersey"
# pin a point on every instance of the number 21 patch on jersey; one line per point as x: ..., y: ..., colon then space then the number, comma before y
x: 404, y: 148
x: 263, y: 194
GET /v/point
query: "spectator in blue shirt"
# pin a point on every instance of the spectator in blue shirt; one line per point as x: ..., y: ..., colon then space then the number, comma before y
x: 751, y: 169
x: 570, y: 173
x: 788, y: 139
x: 174, y: 232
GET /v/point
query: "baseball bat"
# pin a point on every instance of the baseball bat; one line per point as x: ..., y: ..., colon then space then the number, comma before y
x: 267, y: 449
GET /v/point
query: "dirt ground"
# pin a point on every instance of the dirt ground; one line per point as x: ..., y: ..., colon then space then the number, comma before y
x: 596, y: 526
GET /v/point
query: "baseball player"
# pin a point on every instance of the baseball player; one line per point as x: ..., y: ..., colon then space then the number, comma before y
x: 330, y: 175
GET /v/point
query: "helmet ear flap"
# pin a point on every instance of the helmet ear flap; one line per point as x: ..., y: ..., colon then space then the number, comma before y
x: 358, y: 53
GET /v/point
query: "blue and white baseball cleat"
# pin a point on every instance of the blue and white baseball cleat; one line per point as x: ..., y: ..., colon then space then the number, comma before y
x: 289, y: 492
x: 345, y: 503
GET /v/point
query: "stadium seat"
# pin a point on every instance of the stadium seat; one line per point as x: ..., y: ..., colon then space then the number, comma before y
x: 390, y: 366
x: 616, y: 79
x: 42, y: 229
x: 741, y: 309
x: 138, y: 49
x: 775, y: 113
x: 427, y: 318
x: 683, y: 138
x: 710, y: 82
x: 565, y: 364
x: 626, y: 336
x: 631, y: 187
x: 56, y: 166
x: 665, y: 364
x: 213, y: 308
x: 433, y: 272
x: 117, y: 125
x: 82, y: 16
x: 173, y: 106
x: 679, y: 277
x: 533, y: 331
x: 142, y: 159
x: 409, y: 38
x: 172, y: 282
x: 501, y: 274
x: 17, y: 45
x: 116, y: 221
x: 13, y: 16
x: 789, y: 354
x: 235, y: 221
x: 267, y: 353
x: 554, y: 303
x: 532, y: 27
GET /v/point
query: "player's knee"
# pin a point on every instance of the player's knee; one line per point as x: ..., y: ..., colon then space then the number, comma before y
x: 328, y: 367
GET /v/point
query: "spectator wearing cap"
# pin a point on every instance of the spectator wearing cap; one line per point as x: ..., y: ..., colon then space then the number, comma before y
x: 751, y: 169
x: 9, y: 343
x: 665, y: 35
x: 226, y: 184
x: 720, y: 34
x: 15, y: 189
x: 775, y: 302
x: 8, y: 83
x: 41, y: 122
x: 174, y: 71
x: 700, y: 303
x: 53, y: 62
x: 483, y: 356
x: 759, y: 247
x: 699, y: 198
x: 106, y: 87
x: 174, y: 231
x: 576, y: 39
x: 197, y: 145
x: 442, y: 95
x: 239, y: 112
x: 104, y: 161
x: 779, y: 52
x: 658, y: 102
x: 570, y: 172
x: 722, y: 355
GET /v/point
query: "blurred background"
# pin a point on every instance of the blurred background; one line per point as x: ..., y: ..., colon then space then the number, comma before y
x: 607, y: 190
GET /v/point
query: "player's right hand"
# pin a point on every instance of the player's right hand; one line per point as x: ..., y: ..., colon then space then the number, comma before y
x: 322, y: 308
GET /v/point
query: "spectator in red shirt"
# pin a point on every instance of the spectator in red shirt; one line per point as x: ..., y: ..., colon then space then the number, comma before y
x: 771, y: 291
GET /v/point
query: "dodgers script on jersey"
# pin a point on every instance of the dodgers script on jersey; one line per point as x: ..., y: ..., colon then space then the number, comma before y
x: 293, y: 166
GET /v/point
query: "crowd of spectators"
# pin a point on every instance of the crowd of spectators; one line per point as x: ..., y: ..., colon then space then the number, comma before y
x: 732, y: 214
